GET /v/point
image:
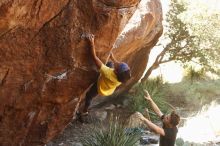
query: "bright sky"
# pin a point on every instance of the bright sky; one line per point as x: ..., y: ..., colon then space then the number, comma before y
x: 165, y: 5
x: 171, y: 72
x: 210, y: 4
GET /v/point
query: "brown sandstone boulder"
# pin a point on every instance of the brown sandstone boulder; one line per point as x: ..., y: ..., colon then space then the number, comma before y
x: 45, y: 65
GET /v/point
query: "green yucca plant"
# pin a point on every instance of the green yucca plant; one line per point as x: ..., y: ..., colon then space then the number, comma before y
x: 155, y: 88
x: 114, y: 135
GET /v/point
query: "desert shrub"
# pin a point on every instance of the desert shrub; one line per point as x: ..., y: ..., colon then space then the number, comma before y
x: 192, y: 94
x: 192, y: 74
x: 112, y: 135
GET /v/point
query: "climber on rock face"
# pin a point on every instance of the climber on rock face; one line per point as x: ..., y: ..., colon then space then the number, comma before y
x: 111, y: 76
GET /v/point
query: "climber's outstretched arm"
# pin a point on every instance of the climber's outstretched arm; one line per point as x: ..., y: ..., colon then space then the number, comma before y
x: 112, y: 57
x: 98, y: 62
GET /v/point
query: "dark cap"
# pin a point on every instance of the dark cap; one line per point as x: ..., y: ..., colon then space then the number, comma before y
x: 123, y: 67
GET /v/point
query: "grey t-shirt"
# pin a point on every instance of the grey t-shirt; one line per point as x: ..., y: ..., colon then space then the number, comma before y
x: 169, y: 138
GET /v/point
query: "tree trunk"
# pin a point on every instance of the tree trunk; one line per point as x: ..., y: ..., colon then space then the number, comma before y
x: 149, y: 71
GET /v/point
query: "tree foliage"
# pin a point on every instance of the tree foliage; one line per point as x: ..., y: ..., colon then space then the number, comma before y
x: 204, y: 24
x: 183, y: 43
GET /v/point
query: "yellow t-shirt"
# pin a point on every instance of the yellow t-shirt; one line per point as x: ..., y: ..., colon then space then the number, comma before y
x: 107, y: 81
